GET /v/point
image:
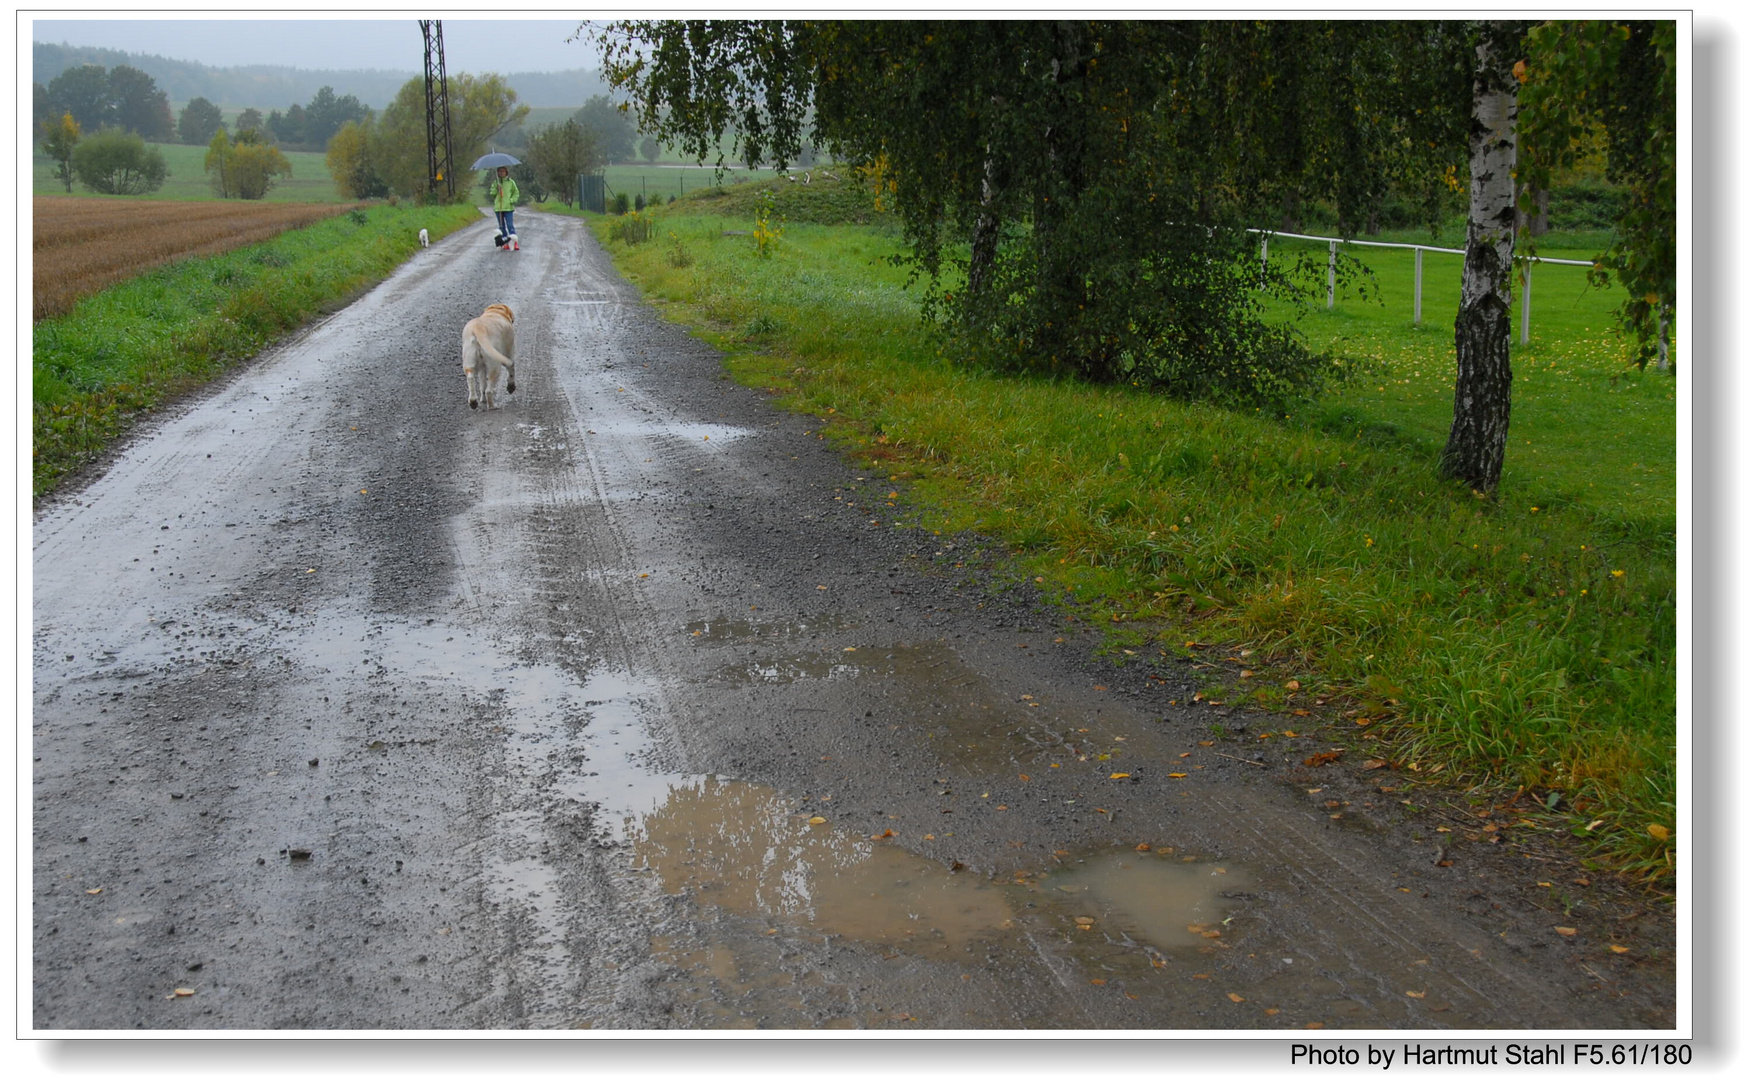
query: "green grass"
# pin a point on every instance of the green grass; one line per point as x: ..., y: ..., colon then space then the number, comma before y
x: 660, y: 182
x: 1526, y: 641
x: 129, y: 349
x: 186, y: 179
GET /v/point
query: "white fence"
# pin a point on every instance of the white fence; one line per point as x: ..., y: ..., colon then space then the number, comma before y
x: 1526, y: 265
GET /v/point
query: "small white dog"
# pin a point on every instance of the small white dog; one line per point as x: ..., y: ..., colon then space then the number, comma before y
x: 423, y: 237
x: 488, y: 347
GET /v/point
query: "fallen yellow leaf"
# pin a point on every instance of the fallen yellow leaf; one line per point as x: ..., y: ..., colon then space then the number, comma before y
x: 1176, y: 775
x: 1235, y: 998
x: 1619, y: 949
x: 1416, y: 993
x: 1566, y: 931
x: 1659, y: 832
x: 814, y: 821
x: 1120, y: 776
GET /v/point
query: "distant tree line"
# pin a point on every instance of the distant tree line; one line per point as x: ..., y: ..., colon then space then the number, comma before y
x: 120, y: 97
x: 265, y: 86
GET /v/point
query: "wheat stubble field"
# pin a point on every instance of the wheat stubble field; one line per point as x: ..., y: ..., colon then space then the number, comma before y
x: 82, y: 245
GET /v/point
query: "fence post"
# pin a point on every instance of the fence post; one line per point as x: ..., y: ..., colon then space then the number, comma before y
x: 1662, y: 344
x: 1525, y: 300
x: 1331, y: 279
x: 1419, y: 286
x: 1264, y: 258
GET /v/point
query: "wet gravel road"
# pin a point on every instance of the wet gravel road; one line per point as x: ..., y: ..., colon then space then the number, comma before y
x: 631, y: 704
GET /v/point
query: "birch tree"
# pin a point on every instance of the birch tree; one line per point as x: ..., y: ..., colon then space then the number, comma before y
x: 1482, y: 401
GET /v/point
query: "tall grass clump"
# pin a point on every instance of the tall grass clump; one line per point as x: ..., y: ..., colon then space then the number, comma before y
x: 123, y: 351
x: 1527, y: 645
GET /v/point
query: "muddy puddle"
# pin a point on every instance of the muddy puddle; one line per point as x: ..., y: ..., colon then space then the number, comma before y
x: 746, y: 849
x: 1162, y: 899
x: 743, y: 848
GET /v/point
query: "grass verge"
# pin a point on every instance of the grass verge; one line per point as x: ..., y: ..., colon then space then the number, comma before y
x: 125, y: 351
x: 1523, y: 643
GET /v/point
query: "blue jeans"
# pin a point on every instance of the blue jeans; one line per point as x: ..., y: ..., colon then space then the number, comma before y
x: 504, y: 218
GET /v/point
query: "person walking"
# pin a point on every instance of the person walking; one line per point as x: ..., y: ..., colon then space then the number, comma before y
x: 505, y: 192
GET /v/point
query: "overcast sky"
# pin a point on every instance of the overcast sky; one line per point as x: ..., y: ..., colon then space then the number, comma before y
x: 511, y: 44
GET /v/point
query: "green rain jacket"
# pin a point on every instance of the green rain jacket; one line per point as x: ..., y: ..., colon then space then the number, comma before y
x: 506, y: 193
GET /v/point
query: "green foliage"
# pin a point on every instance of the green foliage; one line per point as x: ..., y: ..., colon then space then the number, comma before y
x: 633, y: 227
x: 59, y: 137
x: 560, y: 153
x: 609, y: 128
x: 480, y: 107
x: 115, y: 162
x: 767, y: 229
x: 326, y: 113
x: 1584, y: 76
x: 1101, y: 173
x: 138, y: 105
x: 84, y: 92
x: 247, y: 169
x: 123, y: 97
x: 349, y: 162
x: 198, y: 122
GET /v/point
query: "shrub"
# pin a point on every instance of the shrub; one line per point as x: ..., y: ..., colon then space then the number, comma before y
x: 634, y: 227
x: 117, y: 162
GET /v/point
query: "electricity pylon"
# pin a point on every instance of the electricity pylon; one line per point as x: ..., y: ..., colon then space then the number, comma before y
x: 439, y: 111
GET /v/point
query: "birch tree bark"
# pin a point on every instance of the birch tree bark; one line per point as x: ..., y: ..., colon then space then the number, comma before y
x: 1482, y: 394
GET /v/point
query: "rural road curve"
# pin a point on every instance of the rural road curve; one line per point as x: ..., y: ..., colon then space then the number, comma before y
x: 356, y: 709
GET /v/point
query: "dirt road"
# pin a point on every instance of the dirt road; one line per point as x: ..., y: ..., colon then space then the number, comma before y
x: 631, y: 704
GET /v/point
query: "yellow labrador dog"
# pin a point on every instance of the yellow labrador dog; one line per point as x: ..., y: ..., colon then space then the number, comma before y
x: 488, y: 347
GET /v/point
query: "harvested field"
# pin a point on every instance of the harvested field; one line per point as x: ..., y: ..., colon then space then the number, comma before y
x: 80, y: 246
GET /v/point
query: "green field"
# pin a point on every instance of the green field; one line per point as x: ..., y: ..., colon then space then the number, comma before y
x: 1523, y: 647
x: 310, y: 182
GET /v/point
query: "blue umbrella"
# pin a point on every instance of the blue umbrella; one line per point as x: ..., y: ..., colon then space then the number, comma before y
x: 495, y: 161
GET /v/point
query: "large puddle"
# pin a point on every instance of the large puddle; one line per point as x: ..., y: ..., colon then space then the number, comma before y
x: 744, y: 848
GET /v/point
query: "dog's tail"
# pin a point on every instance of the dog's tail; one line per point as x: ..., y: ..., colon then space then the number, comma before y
x: 486, y: 346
